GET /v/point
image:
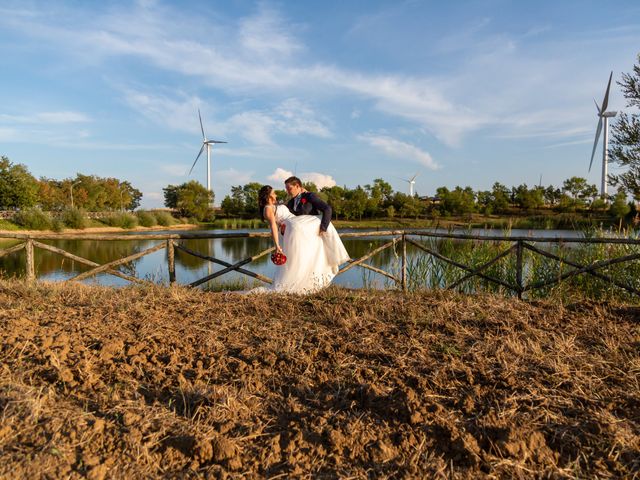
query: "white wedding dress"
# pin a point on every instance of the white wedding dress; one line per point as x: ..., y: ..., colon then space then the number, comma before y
x: 312, y: 260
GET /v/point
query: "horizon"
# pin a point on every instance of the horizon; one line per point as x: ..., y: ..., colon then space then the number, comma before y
x: 466, y: 95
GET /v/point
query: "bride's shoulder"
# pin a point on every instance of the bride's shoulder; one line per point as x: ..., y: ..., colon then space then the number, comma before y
x: 269, y: 209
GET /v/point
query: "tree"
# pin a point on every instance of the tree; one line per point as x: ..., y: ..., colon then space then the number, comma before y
x: 310, y: 187
x: 18, y: 188
x: 457, y: 201
x: 552, y: 195
x: 356, y: 203
x: 412, y: 207
x: 575, y: 186
x: 51, y: 197
x: 529, y: 199
x: 624, y: 147
x: 336, y: 198
x: 619, y: 207
x: 499, y: 197
x: 131, y: 196
x: 243, y: 201
x: 191, y: 199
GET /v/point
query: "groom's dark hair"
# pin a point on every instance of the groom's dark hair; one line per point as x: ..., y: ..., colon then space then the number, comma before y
x: 294, y: 180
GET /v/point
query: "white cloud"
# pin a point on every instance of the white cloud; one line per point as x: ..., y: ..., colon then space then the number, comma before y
x: 280, y: 175
x: 399, y: 149
x: 254, y: 126
x: 290, y: 117
x: 46, y: 118
x: 296, y: 118
x: 227, y: 60
x: 321, y: 180
x: 265, y: 34
x: 8, y: 134
x: 61, y: 117
x: 153, y: 196
x: 178, y: 113
x: 231, y: 176
x: 496, y: 78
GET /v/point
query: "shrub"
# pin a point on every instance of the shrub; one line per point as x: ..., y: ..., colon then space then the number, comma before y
x: 57, y: 225
x: 74, y: 218
x: 146, y: 219
x: 164, y: 218
x: 33, y: 219
x: 122, y: 220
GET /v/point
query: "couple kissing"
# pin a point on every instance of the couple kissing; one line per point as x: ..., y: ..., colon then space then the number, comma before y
x: 302, y: 231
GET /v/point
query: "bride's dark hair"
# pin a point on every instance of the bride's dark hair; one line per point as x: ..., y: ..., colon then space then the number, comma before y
x: 263, y: 198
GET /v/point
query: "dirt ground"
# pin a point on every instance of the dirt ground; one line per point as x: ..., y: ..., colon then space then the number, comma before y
x: 175, y: 383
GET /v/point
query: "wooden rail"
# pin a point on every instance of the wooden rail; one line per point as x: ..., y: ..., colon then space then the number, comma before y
x: 171, y: 243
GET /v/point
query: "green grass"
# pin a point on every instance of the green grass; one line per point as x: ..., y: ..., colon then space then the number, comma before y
x: 8, y: 225
x: 33, y: 219
x: 146, y: 219
x: 164, y: 219
x: 122, y: 220
x: 232, y: 285
x: 427, y: 271
x: 544, y: 221
x: 236, y: 223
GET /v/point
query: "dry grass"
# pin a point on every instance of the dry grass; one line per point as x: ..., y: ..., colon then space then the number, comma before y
x: 175, y: 383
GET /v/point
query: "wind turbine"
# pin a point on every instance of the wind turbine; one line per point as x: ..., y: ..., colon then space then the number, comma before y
x: 205, y: 143
x: 603, y: 117
x: 411, y: 183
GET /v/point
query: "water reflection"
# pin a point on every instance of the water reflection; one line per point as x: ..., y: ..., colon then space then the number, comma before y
x: 153, y: 267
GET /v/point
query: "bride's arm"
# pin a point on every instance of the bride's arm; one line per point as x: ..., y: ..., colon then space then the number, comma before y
x: 270, y: 215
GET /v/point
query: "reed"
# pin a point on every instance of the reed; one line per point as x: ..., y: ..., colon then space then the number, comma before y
x: 428, y: 271
x: 237, y: 223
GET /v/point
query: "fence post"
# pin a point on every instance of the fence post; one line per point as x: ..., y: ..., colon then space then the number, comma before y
x: 404, y: 263
x: 171, y: 258
x: 31, y: 270
x: 519, y: 268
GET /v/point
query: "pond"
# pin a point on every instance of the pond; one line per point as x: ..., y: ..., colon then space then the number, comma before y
x: 153, y: 267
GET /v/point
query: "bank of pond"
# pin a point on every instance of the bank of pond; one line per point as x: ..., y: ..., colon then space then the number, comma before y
x: 442, y: 266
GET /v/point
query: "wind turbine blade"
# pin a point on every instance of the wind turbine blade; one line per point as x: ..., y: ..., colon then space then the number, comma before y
x: 605, y: 102
x: 414, y: 177
x: 201, y: 127
x: 196, y: 161
x: 214, y: 141
x: 597, y: 106
x: 595, y: 143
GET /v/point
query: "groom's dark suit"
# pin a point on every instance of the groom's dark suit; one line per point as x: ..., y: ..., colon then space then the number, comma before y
x: 310, y: 204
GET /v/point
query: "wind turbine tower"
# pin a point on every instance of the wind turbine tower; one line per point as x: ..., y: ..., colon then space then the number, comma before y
x: 603, y: 118
x: 208, y: 144
x: 411, y: 182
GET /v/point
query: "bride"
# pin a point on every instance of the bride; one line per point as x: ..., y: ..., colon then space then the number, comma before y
x: 312, y: 260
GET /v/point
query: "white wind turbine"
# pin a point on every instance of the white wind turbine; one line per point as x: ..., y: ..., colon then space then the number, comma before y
x: 205, y: 143
x: 603, y: 115
x: 411, y: 182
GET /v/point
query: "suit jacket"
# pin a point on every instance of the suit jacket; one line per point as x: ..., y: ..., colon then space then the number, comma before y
x: 310, y: 204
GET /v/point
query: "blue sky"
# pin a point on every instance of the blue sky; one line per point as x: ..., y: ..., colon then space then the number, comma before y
x: 463, y: 92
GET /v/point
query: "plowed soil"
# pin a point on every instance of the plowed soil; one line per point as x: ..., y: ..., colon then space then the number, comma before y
x: 175, y: 383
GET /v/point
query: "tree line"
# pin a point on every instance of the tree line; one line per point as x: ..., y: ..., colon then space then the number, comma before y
x: 379, y: 200
x: 19, y: 189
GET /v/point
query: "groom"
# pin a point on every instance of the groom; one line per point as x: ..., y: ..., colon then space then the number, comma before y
x: 307, y: 203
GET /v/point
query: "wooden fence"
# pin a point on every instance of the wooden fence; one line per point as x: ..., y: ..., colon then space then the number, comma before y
x: 171, y: 242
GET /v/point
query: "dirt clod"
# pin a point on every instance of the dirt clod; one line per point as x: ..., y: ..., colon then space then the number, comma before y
x: 176, y: 383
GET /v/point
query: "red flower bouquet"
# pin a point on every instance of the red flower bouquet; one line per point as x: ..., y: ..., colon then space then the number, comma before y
x: 278, y: 258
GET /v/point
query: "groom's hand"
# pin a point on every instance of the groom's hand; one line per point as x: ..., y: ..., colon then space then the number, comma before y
x: 321, y: 233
